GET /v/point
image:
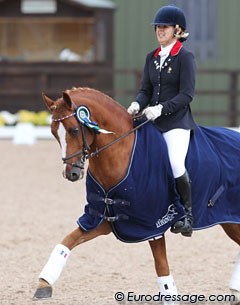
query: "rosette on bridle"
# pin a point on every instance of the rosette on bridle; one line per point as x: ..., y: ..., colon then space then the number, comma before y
x: 83, y: 117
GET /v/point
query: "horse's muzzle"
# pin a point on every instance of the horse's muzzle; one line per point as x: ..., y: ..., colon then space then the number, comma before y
x: 75, y: 172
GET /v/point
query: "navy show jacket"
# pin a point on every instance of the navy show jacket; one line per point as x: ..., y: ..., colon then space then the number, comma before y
x: 173, y: 87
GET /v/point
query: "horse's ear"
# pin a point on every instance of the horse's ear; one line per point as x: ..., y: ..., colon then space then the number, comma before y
x: 48, y: 102
x: 67, y: 99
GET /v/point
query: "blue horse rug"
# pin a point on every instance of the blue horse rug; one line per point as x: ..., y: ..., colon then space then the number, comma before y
x: 145, y: 203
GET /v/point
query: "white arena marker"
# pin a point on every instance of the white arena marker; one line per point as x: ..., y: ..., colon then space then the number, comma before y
x: 24, y: 134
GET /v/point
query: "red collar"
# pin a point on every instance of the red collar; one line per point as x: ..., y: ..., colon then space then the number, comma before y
x: 174, y: 51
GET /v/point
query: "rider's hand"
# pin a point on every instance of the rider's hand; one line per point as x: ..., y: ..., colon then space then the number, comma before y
x: 153, y: 112
x: 133, y: 108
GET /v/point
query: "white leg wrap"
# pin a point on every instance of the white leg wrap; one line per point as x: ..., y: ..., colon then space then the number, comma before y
x: 167, y: 287
x: 55, y: 264
x: 235, y: 279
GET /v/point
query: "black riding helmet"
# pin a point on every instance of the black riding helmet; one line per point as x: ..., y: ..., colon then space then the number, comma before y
x: 170, y: 15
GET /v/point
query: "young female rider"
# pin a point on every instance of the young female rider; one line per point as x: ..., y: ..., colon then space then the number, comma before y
x: 167, y: 88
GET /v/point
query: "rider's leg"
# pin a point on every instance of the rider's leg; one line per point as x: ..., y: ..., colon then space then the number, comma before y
x: 184, y: 189
x: 177, y: 142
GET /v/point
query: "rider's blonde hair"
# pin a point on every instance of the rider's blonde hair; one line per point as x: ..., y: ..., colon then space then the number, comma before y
x: 181, y: 35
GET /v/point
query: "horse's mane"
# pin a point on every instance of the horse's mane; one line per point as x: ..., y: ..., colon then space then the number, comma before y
x: 97, y: 96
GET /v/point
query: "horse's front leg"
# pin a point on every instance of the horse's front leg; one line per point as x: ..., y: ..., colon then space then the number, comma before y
x: 165, y: 280
x: 58, y: 258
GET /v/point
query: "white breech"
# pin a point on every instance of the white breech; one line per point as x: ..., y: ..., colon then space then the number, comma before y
x: 177, y: 143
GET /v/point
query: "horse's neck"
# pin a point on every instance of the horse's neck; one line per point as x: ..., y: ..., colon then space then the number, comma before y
x: 111, y: 164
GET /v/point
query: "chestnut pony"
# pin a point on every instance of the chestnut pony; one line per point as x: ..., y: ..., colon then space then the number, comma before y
x: 79, y: 143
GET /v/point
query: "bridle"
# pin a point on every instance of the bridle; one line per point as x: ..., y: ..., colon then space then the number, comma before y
x: 84, y: 152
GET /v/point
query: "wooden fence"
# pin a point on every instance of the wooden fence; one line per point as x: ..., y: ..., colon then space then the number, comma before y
x: 229, y: 89
x: 22, y: 89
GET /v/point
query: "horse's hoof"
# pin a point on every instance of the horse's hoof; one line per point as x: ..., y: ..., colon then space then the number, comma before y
x: 43, y: 293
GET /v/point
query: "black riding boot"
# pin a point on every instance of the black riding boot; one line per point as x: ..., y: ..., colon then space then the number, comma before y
x: 184, y: 225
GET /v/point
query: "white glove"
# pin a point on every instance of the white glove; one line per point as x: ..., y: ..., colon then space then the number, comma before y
x: 153, y: 112
x: 133, y: 108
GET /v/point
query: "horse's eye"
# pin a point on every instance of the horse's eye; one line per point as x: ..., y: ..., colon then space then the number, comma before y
x: 74, y: 131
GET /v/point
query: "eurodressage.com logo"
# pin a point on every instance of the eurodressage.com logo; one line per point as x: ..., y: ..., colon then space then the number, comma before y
x: 133, y: 298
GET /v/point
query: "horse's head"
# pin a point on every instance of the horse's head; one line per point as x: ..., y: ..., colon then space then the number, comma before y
x: 89, y: 124
x: 74, y: 138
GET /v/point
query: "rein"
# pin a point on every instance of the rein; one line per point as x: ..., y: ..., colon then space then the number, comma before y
x: 86, y: 147
x: 93, y: 154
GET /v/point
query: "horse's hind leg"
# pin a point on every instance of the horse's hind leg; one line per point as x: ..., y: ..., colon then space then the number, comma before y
x: 57, y: 260
x: 233, y: 231
x: 164, y: 278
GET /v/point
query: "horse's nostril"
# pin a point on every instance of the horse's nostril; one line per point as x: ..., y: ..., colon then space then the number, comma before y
x: 74, y: 176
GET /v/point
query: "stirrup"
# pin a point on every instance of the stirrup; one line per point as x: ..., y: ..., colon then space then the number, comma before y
x: 182, y: 226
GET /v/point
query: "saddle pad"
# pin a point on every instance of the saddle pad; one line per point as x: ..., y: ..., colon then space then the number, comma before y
x: 145, y: 203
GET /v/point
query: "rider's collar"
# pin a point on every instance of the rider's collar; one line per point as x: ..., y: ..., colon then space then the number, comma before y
x: 174, y: 51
